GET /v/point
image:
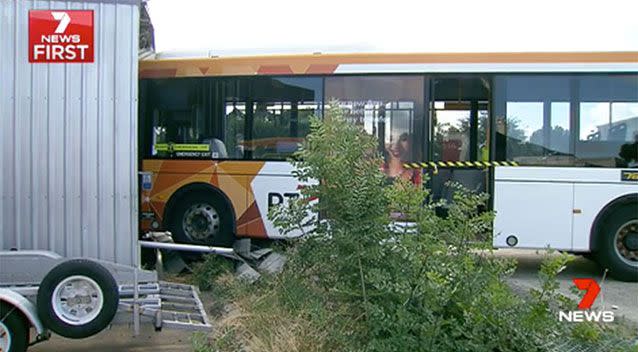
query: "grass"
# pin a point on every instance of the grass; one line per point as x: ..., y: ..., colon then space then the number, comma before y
x: 276, y: 315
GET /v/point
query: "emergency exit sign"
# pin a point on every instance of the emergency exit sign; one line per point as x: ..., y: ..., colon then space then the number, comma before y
x: 63, y: 36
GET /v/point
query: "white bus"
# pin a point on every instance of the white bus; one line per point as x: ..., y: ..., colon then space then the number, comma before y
x: 216, y: 132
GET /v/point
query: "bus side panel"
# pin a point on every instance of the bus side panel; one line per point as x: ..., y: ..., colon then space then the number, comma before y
x: 529, y: 201
x: 274, y: 185
x: 251, y: 186
x: 591, y: 199
x: 539, y: 214
x: 236, y: 188
x: 168, y: 177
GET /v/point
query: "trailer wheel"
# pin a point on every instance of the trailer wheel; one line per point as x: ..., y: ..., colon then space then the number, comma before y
x: 618, y: 240
x: 77, y: 299
x: 14, y: 330
x: 202, y: 218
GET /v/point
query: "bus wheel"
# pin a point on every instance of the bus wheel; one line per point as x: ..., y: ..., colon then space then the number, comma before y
x: 14, y: 330
x: 618, y: 242
x: 204, y: 219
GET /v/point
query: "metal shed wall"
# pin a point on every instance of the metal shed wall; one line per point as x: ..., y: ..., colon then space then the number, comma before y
x: 68, y: 138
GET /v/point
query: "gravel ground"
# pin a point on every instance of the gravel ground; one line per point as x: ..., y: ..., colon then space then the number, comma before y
x: 621, y: 297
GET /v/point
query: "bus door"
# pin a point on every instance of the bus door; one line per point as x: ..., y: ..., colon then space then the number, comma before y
x: 458, y: 130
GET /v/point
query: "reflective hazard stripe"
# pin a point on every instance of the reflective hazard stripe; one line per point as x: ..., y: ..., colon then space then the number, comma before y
x: 458, y: 164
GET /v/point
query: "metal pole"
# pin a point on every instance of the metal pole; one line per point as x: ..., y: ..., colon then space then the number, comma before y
x: 227, y: 252
x: 136, y: 304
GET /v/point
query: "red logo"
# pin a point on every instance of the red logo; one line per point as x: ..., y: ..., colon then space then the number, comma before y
x: 592, y: 289
x: 61, y: 36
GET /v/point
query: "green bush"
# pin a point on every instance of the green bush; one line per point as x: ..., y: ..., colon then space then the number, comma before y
x: 432, y: 287
x: 357, y: 282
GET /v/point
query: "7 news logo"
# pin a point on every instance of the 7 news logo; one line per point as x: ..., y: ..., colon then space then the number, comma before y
x: 591, y: 288
x: 61, y: 36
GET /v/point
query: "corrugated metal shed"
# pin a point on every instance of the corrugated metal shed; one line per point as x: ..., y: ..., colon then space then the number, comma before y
x: 68, y: 138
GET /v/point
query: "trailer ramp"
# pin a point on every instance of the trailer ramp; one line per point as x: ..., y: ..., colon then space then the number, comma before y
x: 167, y: 305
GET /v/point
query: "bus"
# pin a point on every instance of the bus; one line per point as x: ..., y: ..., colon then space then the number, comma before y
x: 552, y: 137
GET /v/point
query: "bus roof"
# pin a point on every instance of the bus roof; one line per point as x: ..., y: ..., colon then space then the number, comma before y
x: 317, y: 63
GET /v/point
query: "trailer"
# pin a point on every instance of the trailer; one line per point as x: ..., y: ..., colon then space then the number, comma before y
x: 43, y: 292
x: 69, y: 241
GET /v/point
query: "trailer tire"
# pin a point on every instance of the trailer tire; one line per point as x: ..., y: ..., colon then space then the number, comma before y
x: 207, y: 215
x: 93, y: 294
x: 618, y: 243
x: 14, y: 329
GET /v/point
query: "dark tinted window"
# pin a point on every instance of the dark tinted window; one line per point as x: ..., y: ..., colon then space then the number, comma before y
x: 268, y: 117
x: 235, y: 118
x: 178, y: 115
x: 281, y: 111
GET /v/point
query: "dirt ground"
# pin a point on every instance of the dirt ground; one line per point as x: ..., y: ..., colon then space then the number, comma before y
x: 120, y: 338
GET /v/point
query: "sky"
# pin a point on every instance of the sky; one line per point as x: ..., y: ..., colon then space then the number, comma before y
x: 280, y: 26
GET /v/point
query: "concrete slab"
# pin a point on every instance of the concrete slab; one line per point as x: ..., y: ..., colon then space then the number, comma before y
x: 246, y: 273
x: 173, y: 263
x: 258, y: 254
x: 242, y: 247
x: 273, y: 264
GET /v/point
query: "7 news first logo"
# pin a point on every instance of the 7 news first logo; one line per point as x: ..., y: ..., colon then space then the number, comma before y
x: 61, y: 36
x: 591, y: 288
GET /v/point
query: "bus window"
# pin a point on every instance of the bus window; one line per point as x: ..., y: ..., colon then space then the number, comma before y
x: 392, y: 109
x: 524, y: 124
x: 179, y: 119
x: 459, y: 119
x: 235, y: 122
x: 267, y: 118
x: 533, y: 119
x: 459, y: 116
x: 559, y: 135
x: 608, y: 120
x: 566, y: 120
x: 624, y: 121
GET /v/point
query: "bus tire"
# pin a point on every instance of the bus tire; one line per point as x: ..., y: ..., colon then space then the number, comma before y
x: 618, y: 243
x: 14, y: 329
x: 202, y: 218
x: 93, y: 294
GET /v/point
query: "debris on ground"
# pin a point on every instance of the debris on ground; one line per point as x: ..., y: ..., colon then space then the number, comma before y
x: 273, y: 264
x: 246, y: 273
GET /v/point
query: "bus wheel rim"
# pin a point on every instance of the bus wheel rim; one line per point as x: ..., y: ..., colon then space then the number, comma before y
x: 626, y: 234
x: 77, y: 300
x: 201, y: 222
x: 5, y: 338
